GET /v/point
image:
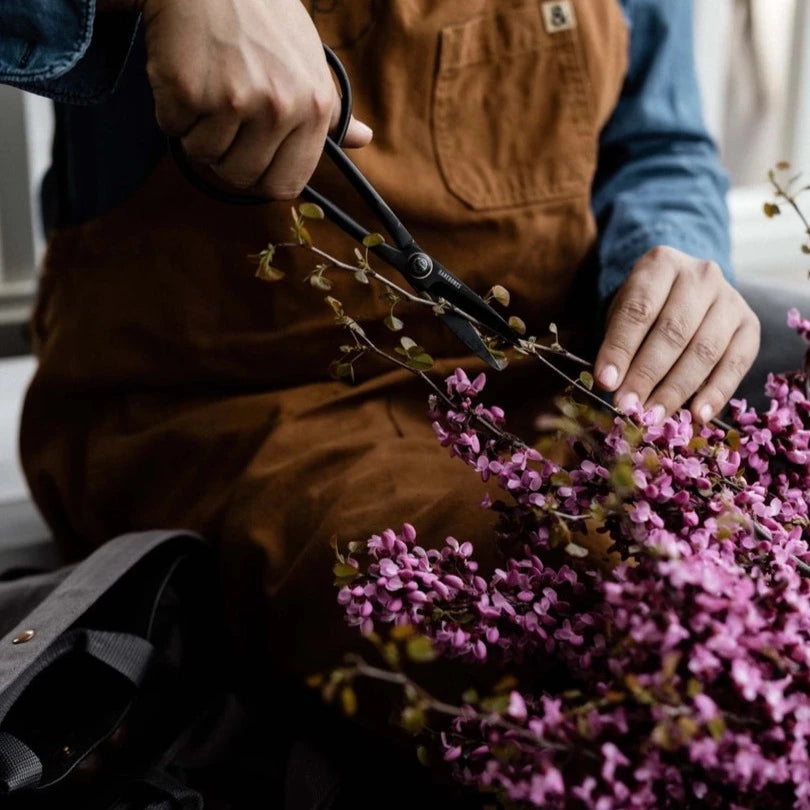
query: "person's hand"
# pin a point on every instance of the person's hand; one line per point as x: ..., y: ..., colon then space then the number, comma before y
x: 245, y: 85
x: 674, y: 328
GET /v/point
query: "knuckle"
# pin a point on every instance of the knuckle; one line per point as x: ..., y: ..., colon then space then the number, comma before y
x: 738, y: 364
x: 322, y: 104
x: 717, y: 393
x: 709, y: 270
x: 707, y: 351
x: 659, y: 253
x: 636, y: 309
x: 646, y: 374
x: 673, y: 330
x: 236, y: 99
x: 674, y: 392
x: 281, y: 106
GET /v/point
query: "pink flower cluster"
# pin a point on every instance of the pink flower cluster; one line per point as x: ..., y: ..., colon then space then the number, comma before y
x: 678, y: 675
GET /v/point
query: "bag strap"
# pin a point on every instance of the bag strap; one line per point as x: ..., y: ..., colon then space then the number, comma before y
x: 79, y: 591
x: 129, y: 655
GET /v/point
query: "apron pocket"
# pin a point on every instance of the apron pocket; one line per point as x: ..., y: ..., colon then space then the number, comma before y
x: 512, y: 114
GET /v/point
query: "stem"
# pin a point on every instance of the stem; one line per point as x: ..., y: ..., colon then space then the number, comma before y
x: 366, y: 670
x: 579, y: 385
x: 418, y: 299
x: 791, y: 200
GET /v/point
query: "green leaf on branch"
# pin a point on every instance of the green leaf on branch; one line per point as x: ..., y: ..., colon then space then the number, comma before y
x: 586, y: 379
x: 413, y: 719
x: 517, y: 324
x: 771, y: 210
x: 372, y: 240
x: 420, y: 650
x: 341, y: 370
x: 348, y: 701
x: 394, y: 323
x: 500, y: 294
x: 311, y: 210
x: 360, y: 275
x: 421, y: 362
x: 423, y: 755
x: 343, y: 570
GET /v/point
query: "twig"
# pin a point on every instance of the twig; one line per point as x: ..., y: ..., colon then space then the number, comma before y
x: 366, y: 670
x: 413, y: 298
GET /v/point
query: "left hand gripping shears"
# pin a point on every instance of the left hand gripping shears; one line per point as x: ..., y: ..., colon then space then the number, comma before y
x: 423, y: 272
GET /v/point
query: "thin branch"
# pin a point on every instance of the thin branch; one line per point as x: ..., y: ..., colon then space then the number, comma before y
x: 413, y: 298
x: 364, y: 340
x: 791, y: 200
x: 366, y: 670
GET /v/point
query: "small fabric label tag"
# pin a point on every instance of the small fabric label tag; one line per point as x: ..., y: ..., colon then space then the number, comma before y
x: 559, y: 16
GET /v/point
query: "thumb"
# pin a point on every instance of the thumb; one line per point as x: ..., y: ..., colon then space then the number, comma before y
x: 358, y: 134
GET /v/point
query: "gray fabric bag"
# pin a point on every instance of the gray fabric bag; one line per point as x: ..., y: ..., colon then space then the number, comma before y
x: 112, y: 653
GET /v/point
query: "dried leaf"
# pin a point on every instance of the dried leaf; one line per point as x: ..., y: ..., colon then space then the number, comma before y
x: 267, y: 272
x: 320, y: 282
x: 311, y: 210
x: 360, y: 276
x: 517, y: 324
x: 337, y: 307
x: 783, y: 165
x: 771, y: 210
x: 501, y: 295
x: 372, y: 240
x: 575, y: 550
x: 805, y: 248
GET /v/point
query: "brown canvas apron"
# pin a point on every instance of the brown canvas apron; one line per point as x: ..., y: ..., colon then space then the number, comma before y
x: 175, y: 389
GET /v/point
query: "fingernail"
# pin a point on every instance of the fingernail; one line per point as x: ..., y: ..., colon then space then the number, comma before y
x: 363, y: 129
x: 706, y: 413
x: 609, y: 376
x: 658, y: 413
x: 628, y: 402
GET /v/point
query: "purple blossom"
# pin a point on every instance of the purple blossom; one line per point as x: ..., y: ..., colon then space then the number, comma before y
x: 677, y: 677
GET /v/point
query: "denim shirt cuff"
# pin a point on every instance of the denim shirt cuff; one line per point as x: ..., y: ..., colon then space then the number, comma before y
x: 623, y: 255
x: 74, y: 55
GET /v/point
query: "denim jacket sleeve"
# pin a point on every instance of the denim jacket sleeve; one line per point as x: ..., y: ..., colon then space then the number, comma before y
x: 63, y: 49
x: 659, y: 180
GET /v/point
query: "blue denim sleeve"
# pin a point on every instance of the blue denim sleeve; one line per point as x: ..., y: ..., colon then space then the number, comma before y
x: 62, y: 49
x: 659, y: 181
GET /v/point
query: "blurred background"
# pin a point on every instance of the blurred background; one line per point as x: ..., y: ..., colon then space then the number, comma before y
x: 753, y: 60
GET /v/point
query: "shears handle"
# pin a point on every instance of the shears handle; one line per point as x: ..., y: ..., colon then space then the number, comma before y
x: 232, y: 198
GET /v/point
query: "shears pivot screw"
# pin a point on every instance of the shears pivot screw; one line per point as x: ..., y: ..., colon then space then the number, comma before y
x: 420, y: 265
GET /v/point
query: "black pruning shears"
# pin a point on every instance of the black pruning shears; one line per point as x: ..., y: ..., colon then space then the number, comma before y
x: 426, y: 275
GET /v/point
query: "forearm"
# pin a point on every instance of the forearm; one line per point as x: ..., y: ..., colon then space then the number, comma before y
x: 659, y: 179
